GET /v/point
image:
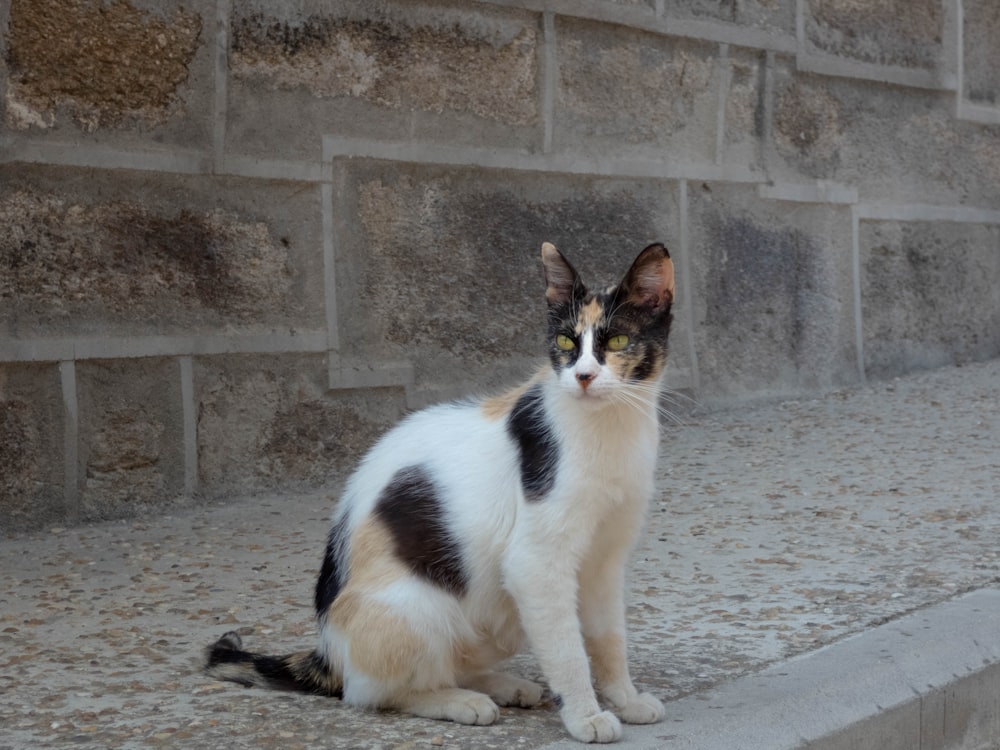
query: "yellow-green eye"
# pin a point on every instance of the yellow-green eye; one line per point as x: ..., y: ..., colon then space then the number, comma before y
x: 565, y: 343
x: 617, y: 343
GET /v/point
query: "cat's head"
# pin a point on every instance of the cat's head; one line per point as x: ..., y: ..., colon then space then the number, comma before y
x: 611, y: 341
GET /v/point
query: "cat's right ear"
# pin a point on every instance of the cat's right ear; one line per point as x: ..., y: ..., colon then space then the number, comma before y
x: 562, y: 282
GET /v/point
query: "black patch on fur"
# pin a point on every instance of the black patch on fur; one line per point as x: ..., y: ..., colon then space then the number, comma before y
x: 411, y: 509
x: 330, y: 579
x: 646, y: 364
x: 532, y: 434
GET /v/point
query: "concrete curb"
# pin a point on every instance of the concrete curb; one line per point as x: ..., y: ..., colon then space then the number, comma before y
x: 926, y: 681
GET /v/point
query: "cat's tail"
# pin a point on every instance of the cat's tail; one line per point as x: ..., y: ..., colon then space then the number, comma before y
x: 306, y: 671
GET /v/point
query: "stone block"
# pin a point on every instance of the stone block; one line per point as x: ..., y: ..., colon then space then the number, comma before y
x: 31, y: 447
x: 894, y: 144
x: 981, y: 51
x: 745, y: 112
x: 437, y: 71
x: 87, y: 252
x: 904, y: 33
x: 771, y: 294
x: 131, y: 437
x: 123, y: 72
x: 809, y: 125
x: 769, y: 15
x: 928, y: 294
x: 646, y: 4
x: 622, y: 89
x: 967, y: 711
x: 441, y: 267
x: 893, y: 728
x: 269, y: 422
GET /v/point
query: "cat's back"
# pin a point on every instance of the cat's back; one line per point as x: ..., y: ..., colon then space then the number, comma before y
x: 457, y: 449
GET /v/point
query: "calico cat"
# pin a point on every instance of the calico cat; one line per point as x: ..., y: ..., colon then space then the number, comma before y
x: 473, y: 526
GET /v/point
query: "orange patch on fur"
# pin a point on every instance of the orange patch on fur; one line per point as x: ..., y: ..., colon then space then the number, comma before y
x: 591, y: 315
x: 472, y: 657
x: 382, y: 644
x: 619, y: 364
x: 373, y: 563
x: 624, y: 365
x: 497, y: 408
x: 607, y: 658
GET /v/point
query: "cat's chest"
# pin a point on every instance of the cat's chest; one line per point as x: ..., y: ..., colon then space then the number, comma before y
x: 612, y: 465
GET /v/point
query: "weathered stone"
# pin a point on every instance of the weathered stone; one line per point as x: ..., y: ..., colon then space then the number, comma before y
x: 774, y: 15
x: 643, y: 3
x: 131, y: 437
x: 770, y: 294
x: 889, y: 32
x: 745, y: 108
x: 269, y: 422
x: 122, y: 470
x: 122, y: 257
x: 103, y: 64
x: 807, y: 125
x: 928, y: 294
x: 893, y: 144
x: 981, y: 53
x: 620, y: 87
x: 100, y: 253
x: 392, y: 62
x: 368, y: 69
x: 219, y: 238
x: 31, y: 442
x: 446, y: 274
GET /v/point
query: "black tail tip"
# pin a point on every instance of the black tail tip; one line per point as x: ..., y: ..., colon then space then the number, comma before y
x: 230, y: 641
x: 226, y: 650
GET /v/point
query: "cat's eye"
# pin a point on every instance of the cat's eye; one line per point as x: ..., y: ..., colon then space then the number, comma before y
x: 617, y: 343
x: 565, y: 343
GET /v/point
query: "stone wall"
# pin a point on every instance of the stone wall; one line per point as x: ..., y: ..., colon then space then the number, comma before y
x: 240, y: 239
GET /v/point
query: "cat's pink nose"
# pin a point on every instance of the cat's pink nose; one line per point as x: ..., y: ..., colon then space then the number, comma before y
x: 584, y: 378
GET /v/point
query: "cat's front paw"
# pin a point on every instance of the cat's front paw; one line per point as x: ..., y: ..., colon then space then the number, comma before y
x: 474, y: 709
x: 520, y: 693
x: 599, y: 727
x: 506, y: 689
x: 643, y: 709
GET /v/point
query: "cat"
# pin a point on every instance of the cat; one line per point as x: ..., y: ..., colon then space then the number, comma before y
x: 471, y: 527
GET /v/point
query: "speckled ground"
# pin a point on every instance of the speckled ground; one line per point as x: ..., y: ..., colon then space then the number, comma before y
x: 777, y: 528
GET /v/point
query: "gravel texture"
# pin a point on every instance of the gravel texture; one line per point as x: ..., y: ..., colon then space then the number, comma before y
x: 777, y: 528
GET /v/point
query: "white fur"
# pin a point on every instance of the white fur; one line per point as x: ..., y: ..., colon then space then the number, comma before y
x: 552, y: 569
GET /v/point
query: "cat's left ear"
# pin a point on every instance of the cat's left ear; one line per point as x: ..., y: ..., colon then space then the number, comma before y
x: 649, y: 283
x: 562, y: 282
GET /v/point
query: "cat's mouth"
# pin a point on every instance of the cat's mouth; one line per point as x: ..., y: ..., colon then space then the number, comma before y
x: 591, y: 394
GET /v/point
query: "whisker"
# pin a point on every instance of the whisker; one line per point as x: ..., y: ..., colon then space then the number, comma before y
x: 646, y: 398
x: 648, y: 406
x: 679, y: 397
x: 670, y: 395
x: 615, y: 306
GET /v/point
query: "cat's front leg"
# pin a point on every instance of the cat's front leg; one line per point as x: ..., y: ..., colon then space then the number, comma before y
x: 602, y: 612
x: 545, y: 594
x: 608, y: 657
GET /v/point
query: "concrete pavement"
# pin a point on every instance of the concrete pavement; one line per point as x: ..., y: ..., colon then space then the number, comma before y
x: 817, y: 571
